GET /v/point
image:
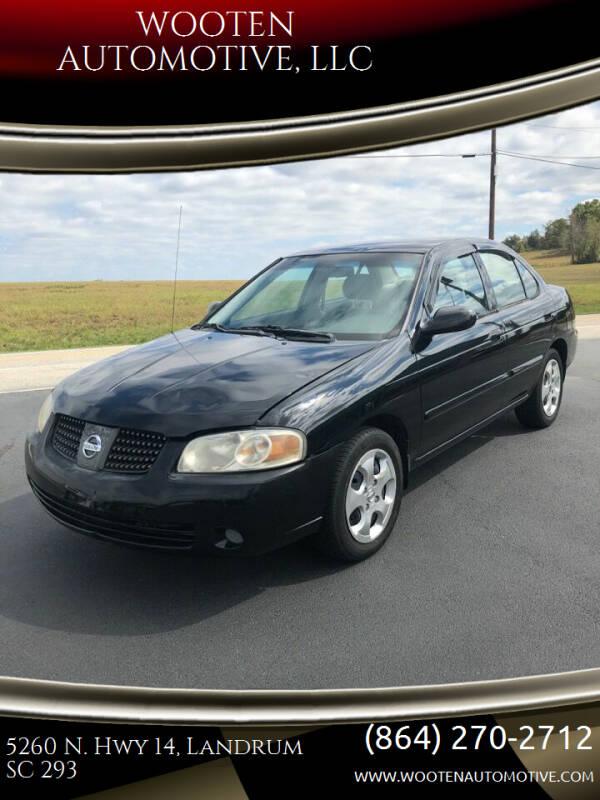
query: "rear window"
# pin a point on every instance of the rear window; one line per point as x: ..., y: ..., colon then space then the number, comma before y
x: 529, y: 282
x: 504, y: 278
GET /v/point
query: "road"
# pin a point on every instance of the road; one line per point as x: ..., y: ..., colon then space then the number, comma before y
x: 493, y: 571
x: 43, y: 369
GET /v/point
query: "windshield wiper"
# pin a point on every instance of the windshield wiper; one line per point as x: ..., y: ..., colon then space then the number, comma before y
x: 269, y: 330
x: 213, y: 326
x: 294, y: 333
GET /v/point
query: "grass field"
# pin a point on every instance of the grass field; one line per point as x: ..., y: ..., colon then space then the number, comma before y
x: 46, y: 316
x: 581, y: 280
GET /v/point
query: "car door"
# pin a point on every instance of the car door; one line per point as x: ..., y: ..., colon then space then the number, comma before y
x: 461, y: 371
x: 527, y: 318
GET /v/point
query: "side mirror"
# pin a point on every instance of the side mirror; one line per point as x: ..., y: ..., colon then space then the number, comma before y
x: 212, y: 307
x: 445, y: 320
x: 449, y: 319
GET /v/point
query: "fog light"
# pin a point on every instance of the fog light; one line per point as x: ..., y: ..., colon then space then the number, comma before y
x: 231, y: 541
x: 234, y: 536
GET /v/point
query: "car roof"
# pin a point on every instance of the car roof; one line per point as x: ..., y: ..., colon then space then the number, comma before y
x: 404, y: 245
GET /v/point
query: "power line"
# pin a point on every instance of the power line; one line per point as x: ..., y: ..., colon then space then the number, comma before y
x: 553, y: 155
x: 548, y: 160
x: 493, y: 153
x: 425, y: 155
x: 560, y: 127
x: 481, y: 155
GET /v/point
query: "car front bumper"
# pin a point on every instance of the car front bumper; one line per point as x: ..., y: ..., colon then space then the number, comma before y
x: 245, y: 513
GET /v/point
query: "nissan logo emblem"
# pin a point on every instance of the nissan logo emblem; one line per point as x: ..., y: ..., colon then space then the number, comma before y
x: 92, y: 446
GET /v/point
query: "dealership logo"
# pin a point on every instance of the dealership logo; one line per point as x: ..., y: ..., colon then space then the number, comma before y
x: 92, y: 446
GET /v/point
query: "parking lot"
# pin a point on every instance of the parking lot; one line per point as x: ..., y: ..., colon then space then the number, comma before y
x: 492, y: 571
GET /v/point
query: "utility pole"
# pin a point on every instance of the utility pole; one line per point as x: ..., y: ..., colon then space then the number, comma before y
x: 492, y: 225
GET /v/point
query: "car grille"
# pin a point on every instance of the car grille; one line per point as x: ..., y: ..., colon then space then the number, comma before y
x: 143, y: 533
x: 67, y: 435
x: 132, y: 452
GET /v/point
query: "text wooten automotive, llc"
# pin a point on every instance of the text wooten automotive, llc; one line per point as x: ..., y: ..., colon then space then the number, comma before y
x: 209, y: 46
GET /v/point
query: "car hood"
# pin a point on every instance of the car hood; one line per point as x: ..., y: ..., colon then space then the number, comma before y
x: 193, y: 381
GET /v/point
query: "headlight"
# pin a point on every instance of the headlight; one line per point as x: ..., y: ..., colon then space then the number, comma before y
x: 44, y: 414
x: 239, y: 451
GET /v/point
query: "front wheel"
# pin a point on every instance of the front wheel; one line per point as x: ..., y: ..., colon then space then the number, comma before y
x: 542, y: 406
x: 365, y: 497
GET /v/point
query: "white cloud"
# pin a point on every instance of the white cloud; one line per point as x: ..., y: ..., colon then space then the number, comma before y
x: 236, y: 221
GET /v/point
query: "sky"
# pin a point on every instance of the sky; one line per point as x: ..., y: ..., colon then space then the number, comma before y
x: 235, y: 222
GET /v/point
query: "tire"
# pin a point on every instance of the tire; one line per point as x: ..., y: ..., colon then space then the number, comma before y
x: 362, y: 510
x: 541, y: 408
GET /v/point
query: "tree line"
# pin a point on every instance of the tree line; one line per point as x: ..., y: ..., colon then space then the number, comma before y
x: 577, y: 234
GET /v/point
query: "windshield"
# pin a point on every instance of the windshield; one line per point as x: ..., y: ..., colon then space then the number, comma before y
x: 349, y: 295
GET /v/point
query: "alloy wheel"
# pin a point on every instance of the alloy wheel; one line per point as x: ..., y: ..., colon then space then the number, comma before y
x: 370, y: 495
x: 551, y: 387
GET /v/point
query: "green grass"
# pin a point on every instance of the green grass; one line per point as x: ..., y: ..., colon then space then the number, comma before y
x: 582, y: 281
x: 46, y: 316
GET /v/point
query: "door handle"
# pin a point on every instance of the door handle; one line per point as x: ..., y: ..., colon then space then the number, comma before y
x: 493, y: 341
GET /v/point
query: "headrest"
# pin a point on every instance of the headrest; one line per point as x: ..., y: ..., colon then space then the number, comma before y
x: 360, y: 287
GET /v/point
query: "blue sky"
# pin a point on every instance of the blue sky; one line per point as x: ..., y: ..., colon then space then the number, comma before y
x: 84, y: 227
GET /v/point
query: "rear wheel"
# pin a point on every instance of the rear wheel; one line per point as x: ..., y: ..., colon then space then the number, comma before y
x: 365, y: 497
x: 542, y: 406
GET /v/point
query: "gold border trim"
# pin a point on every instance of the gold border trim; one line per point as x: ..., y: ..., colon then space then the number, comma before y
x: 22, y: 697
x: 39, y: 148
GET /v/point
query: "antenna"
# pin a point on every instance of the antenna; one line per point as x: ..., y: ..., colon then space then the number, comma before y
x: 176, y: 265
x: 492, y: 224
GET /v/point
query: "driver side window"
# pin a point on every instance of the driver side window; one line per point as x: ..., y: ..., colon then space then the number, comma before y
x: 460, y: 284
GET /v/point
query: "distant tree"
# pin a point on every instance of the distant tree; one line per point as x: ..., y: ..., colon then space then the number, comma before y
x: 556, y: 234
x: 514, y: 241
x: 585, y: 232
x: 533, y: 241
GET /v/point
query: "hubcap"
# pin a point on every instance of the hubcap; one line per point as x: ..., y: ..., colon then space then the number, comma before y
x: 551, y: 386
x: 370, y: 495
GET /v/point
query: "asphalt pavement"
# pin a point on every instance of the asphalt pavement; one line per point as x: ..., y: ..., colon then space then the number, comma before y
x: 492, y: 572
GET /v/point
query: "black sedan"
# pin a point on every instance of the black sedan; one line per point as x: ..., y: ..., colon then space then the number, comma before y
x: 299, y: 406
